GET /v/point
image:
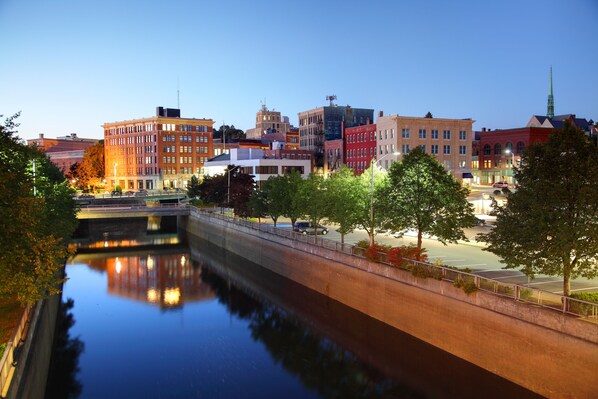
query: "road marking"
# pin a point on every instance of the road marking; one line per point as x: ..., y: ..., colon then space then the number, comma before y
x: 493, y: 270
x: 477, y: 264
x: 578, y: 289
x: 545, y: 282
x: 454, y: 260
x: 513, y: 276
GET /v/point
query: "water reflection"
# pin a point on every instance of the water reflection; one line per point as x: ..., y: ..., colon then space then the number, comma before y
x: 241, y: 331
x: 164, y: 279
x: 62, y: 380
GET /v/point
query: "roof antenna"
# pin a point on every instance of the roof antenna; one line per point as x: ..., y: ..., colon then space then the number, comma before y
x: 331, y: 99
x: 178, y: 105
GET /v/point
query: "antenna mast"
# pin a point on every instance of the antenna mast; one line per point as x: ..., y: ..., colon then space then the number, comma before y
x: 178, y: 105
x: 550, y: 107
x: 331, y: 99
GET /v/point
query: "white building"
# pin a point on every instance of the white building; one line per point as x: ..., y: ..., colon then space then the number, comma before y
x: 254, y: 161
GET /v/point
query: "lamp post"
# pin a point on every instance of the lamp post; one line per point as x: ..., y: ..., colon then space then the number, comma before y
x: 508, y: 151
x: 373, y: 164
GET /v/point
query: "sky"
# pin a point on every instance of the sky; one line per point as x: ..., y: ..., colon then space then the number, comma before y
x: 70, y: 66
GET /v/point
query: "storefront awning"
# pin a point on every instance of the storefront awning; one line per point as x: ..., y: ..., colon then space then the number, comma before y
x: 467, y: 176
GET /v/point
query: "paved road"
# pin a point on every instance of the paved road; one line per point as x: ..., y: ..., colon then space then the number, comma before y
x: 469, y: 255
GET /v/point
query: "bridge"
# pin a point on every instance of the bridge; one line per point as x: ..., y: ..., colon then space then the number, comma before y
x: 112, y: 211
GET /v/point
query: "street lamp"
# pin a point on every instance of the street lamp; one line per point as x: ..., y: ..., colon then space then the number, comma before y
x: 508, y: 151
x: 373, y: 165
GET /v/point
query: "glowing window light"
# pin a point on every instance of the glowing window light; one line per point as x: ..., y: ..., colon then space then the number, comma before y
x: 172, y: 296
x: 153, y: 295
x: 118, y: 266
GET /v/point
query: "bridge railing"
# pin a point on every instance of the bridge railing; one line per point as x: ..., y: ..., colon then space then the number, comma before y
x: 468, y: 281
x: 111, y: 207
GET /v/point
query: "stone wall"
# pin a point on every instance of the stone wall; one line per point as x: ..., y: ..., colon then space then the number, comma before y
x: 540, y: 349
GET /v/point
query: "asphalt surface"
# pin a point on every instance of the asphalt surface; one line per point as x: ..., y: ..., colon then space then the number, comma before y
x: 471, y: 255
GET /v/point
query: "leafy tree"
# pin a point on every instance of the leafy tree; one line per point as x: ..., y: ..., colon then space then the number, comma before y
x: 89, y: 173
x: 367, y: 205
x: 242, y: 186
x: 421, y: 195
x: 343, y: 189
x: 37, y: 216
x: 550, y: 224
x: 313, y: 194
x: 231, y: 133
x: 258, y: 204
x: 293, y: 205
x: 213, y: 189
x: 193, y: 189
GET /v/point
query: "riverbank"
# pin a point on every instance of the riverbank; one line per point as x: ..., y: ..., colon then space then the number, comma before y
x: 522, y: 343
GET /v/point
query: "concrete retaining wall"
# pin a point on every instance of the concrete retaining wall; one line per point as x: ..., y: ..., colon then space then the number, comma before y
x: 540, y: 349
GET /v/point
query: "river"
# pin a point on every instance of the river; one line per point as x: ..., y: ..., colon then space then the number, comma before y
x: 181, y: 321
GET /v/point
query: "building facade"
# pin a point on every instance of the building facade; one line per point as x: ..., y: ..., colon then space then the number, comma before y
x: 448, y: 140
x: 260, y: 163
x: 162, y: 151
x: 268, y: 121
x: 360, y: 147
x: 63, y: 151
x: 501, y: 150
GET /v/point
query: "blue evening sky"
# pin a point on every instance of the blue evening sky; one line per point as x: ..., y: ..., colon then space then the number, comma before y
x: 72, y: 65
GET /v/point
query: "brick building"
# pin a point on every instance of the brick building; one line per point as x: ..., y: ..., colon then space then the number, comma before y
x: 360, y: 147
x: 63, y: 151
x: 151, y: 153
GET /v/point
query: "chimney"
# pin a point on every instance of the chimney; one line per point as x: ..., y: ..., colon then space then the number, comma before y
x: 483, y: 129
x: 380, y: 114
x: 41, y: 135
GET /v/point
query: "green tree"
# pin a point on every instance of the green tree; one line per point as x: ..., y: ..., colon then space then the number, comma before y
x: 231, y: 133
x: 241, y: 188
x: 421, y: 195
x: 313, y: 194
x: 258, y: 204
x: 193, y: 189
x: 212, y: 189
x: 37, y: 216
x: 550, y: 224
x: 343, y: 190
x: 368, y: 213
x: 288, y: 191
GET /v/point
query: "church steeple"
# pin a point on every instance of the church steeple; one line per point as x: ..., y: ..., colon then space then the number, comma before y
x: 550, y: 108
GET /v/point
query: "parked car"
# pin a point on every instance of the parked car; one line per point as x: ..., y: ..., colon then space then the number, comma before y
x: 308, y: 228
x: 500, y: 184
x: 130, y: 193
x: 86, y: 196
x: 480, y: 222
x: 141, y: 193
x: 116, y: 193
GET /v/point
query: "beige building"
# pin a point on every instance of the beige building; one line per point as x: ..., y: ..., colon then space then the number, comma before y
x: 449, y: 140
x: 266, y: 122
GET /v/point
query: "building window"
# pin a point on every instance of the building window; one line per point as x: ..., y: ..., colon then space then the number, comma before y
x: 434, y: 149
x: 405, y: 133
x: 423, y: 147
x: 405, y: 149
x: 520, y: 147
x: 266, y: 170
x: 509, y: 147
x: 446, y: 149
x: 434, y: 133
x: 462, y: 150
x: 422, y: 133
x: 446, y: 134
x: 497, y: 149
x: 462, y: 135
x: 487, y: 149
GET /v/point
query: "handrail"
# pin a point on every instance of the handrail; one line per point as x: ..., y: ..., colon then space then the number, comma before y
x: 130, y: 206
x: 546, y: 299
x: 8, y: 361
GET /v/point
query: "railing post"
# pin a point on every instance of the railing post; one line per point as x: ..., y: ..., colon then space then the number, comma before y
x: 564, y: 303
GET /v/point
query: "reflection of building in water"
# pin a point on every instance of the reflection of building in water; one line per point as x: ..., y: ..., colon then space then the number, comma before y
x: 166, y: 280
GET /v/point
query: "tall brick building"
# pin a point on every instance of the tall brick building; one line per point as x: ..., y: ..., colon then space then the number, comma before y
x: 151, y: 153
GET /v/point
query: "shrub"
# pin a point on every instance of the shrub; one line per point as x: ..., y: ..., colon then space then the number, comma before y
x: 421, y: 271
x: 467, y: 286
x: 525, y: 294
x: 506, y: 191
x: 583, y: 309
x: 504, y: 289
x: 375, y: 252
x: 400, y: 256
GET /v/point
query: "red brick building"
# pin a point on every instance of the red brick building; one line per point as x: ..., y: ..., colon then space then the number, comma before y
x: 63, y: 151
x: 360, y: 147
x: 498, y: 149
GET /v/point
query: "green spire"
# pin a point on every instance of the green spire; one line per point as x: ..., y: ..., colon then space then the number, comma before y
x: 550, y: 108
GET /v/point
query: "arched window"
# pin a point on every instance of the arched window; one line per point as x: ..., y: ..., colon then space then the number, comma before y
x: 487, y: 149
x: 497, y: 149
x: 509, y: 146
x: 520, y: 148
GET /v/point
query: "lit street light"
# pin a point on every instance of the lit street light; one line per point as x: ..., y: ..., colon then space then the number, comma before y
x: 115, y: 179
x: 508, y: 151
x: 373, y: 165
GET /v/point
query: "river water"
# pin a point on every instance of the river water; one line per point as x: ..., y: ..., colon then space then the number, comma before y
x: 192, y: 321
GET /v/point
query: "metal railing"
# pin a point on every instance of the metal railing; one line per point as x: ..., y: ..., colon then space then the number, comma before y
x: 9, y: 358
x: 469, y: 281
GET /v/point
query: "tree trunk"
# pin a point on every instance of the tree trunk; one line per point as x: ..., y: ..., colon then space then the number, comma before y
x: 419, y: 239
x: 566, y: 282
x: 342, y: 238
